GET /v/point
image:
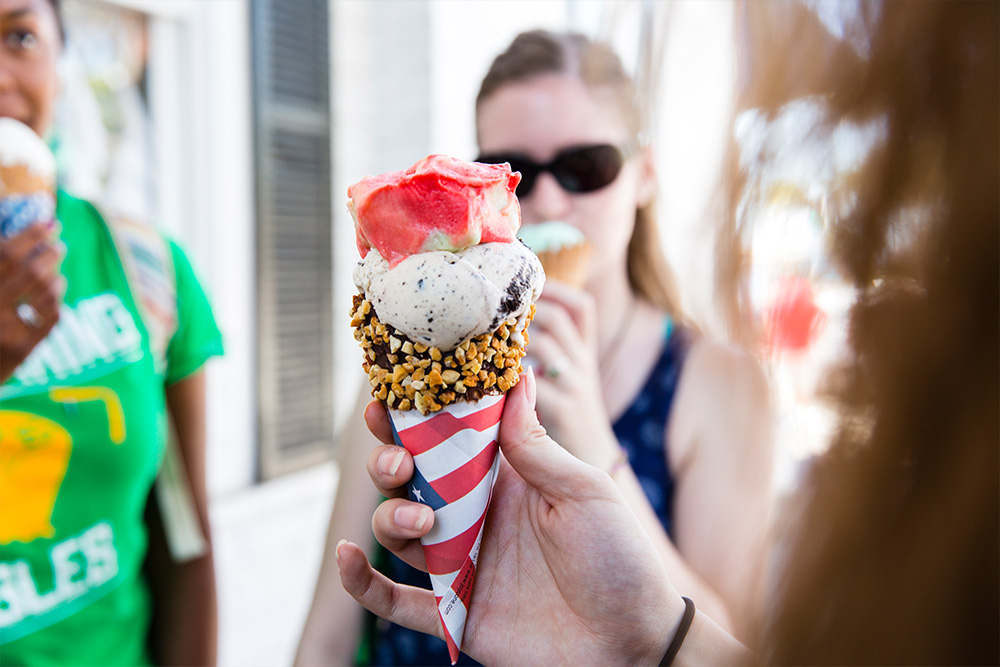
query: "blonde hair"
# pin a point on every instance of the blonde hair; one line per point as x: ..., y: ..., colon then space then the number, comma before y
x: 894, y: 549
x: 541, y: 52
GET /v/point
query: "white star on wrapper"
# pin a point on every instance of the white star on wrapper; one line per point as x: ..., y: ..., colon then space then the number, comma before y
x: 416, y: 494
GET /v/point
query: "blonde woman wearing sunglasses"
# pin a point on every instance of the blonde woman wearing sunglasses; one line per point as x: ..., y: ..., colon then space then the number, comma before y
x: 623, y: 381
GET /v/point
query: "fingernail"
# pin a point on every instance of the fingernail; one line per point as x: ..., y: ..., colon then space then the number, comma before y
x: 529, y: 386
x: 337, y: 550
x: 412, y: 518
x: 389, y: 462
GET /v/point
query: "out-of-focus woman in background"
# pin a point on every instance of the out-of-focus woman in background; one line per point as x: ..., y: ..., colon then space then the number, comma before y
x: 622, y: 376
x: 893, y: 555
x: 680, y: 422
x: 85, y: 407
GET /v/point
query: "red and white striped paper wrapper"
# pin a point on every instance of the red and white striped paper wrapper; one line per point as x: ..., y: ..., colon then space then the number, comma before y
x: 455, y: 455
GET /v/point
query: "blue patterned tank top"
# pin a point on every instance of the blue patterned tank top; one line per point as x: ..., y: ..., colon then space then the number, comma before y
x: 641, y: 431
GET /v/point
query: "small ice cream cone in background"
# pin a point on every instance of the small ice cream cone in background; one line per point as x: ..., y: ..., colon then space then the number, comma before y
x: 562, y: 249
x: 27, y: 178
x: 445, y: 295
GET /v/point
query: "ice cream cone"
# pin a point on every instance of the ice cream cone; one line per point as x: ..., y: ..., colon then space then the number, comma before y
x: 562, y: 249
x: 445, y: 296
x: 568, y: 265
x: 455, y: 456
x: 27, y: 178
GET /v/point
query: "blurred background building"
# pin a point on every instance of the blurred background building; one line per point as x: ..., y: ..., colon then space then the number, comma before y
x: 237, y: 125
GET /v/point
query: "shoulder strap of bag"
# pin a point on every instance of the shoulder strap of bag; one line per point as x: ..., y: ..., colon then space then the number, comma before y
x: 149, y: 267
x: 149, y: 270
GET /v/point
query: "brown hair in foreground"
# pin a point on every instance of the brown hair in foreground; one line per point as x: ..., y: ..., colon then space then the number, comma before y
x: 541, y: 52
x: 895, y: 551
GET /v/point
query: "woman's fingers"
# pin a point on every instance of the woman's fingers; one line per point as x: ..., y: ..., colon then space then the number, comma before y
x: 26, y: 246
x: 411, y: 607
x: 31, y: 291
x: 17, y: 248
x: 378, y: 421
x: 29, y: 267
x: 398, y: 524
x: 558, y: 346
x: 390, y: 467
x: 553, y: 361
x: 554, y: 320
x: 39, y: 281
x: 576, y: 303
x: 539, y: 460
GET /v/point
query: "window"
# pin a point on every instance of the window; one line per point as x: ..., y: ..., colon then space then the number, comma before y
x: 291, y: 72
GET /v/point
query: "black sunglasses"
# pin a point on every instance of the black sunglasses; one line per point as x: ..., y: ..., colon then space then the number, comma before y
x: 576, y: 169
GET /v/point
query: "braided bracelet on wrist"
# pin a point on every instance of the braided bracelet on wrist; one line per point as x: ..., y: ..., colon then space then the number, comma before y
x: 682, y: 630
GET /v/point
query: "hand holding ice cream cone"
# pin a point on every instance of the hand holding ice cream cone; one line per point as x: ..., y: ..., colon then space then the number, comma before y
x: 559, y: 530
x: 31, y: 285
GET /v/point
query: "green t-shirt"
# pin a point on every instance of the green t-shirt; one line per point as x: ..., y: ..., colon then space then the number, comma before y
x: 83, y: 426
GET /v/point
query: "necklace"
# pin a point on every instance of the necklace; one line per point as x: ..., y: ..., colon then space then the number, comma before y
x: 616, y: 340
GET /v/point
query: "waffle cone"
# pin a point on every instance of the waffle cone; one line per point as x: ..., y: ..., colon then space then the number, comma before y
x: 26, y: 196
x: 455, y: 459
x: 567, y: 264
x: 20, y: 179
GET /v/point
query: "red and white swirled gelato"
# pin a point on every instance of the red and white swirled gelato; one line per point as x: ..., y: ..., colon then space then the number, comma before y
x: 441, y: 262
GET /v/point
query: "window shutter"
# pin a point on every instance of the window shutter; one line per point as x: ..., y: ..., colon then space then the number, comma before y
x: 291, y: 71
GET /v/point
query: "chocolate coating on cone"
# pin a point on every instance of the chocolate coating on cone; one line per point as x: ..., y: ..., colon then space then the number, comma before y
x: 408, y: 375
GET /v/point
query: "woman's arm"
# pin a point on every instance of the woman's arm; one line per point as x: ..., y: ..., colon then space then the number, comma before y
x: 574, y: 413
x: 723, y: 456
x: 334, y: 624
x: 185, y: 619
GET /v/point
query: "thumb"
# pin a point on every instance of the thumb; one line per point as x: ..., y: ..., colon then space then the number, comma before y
x: 537, y: 458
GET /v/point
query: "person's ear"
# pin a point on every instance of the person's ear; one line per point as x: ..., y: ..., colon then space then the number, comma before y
x: 648, y: 182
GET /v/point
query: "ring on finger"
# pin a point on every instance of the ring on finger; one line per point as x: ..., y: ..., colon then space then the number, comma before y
x: 29, y: 316
x: 556, y: 368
